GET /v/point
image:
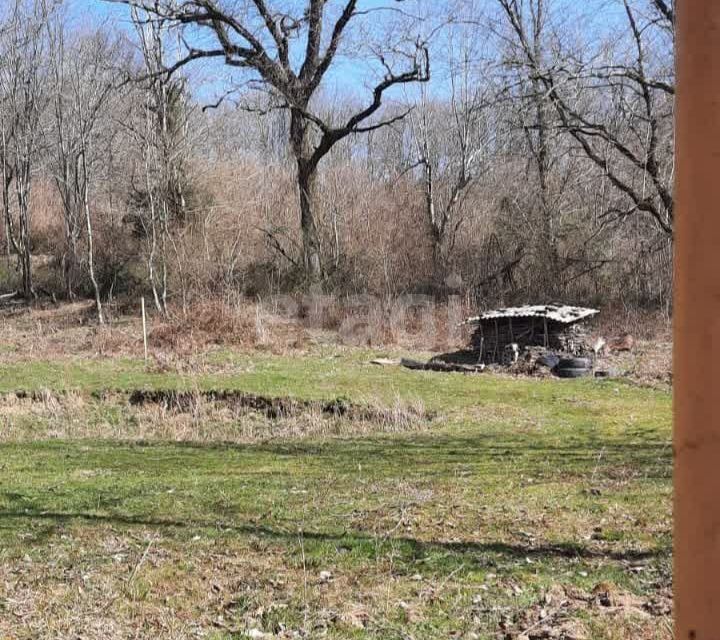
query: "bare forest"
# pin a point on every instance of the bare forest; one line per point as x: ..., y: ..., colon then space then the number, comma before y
x: 502, y: 151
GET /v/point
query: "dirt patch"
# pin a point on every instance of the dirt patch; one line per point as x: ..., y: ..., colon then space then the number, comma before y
x: 649, y: 363
x: 561, y: 609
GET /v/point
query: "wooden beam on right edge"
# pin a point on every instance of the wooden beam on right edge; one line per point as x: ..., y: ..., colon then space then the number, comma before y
x: 697, y: 323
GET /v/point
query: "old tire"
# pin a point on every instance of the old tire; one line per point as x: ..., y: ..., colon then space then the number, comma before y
x: 548, y: 360
x: 572, y: 372
x: 574, y: 363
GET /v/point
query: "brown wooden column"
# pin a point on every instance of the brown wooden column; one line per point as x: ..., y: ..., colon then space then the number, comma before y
x: 697, y: 323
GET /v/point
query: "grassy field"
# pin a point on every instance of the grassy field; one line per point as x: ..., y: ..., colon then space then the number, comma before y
x: 480, y: 507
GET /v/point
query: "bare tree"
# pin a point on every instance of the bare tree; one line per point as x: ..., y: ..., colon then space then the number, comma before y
x: 25, y: 90
x: 451, y: 139
x: 528, y: 47
x: 255, y: 36
x: 617, y: 108
x: 85, y: 84
x: 163, y: 135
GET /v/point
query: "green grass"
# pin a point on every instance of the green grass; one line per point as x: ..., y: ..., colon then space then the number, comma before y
x: 518, y: 485
x: 332, y: 375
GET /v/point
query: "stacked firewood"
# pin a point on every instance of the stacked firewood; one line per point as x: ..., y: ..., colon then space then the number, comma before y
x: 494, y: 338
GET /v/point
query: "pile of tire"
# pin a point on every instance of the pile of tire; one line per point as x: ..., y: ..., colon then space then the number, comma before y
x: 573, y: 368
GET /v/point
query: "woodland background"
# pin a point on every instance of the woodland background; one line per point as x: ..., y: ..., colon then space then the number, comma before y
x: 505, y: 151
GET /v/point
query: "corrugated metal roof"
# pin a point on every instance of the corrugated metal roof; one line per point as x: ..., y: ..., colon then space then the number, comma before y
x: 560, y: 313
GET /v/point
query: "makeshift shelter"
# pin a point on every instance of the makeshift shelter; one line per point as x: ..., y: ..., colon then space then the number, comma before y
x: 510, y: 330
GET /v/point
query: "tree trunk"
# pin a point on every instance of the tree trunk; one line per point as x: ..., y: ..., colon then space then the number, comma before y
x: 28, y: 291
x: 90, y: 250
x: 71, y: 260
x: 71, y: 263
x: 437, y: 227
x: 306, y: 177
x: 23, y: 193
x: 7, y: 181
x: 311, y: 241
x: 10, y: 243
x: 549, y: 249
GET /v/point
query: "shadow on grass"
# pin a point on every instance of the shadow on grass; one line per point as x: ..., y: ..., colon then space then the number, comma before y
x: 40, y: 500
x: 473, y: 553
x: 488, y: 457
x: 586, y: 454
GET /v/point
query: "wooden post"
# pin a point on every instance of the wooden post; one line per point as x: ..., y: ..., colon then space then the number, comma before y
x: 144, y: 327
x: 697, y: 323
x: 497, y: 343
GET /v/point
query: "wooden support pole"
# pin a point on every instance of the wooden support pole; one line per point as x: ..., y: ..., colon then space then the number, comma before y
x: 144, y: 327
x: 697, y: 323
x: 497, y: 342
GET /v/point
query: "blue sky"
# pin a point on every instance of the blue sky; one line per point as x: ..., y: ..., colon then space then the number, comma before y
x: 355, y: 74
x: 209, y: 77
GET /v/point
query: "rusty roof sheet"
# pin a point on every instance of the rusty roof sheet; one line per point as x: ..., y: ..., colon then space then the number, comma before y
x: 560, y: 313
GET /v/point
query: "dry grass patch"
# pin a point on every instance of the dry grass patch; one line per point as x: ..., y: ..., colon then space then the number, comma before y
x: 101, y: 582
x: 195, y: 416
